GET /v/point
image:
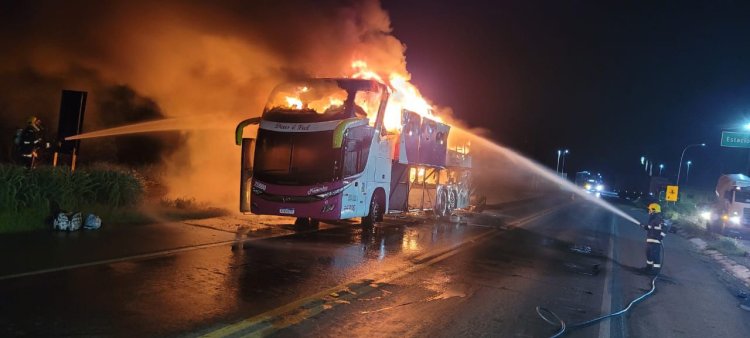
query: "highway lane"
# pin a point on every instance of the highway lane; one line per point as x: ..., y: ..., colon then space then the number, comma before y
x: 188, y: 291
x: 406, y: 277
x: 491, y: 289
x: 580, y: 262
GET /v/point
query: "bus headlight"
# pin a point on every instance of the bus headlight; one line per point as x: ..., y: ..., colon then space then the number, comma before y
x: 735, y: 219
x: 706, y: 215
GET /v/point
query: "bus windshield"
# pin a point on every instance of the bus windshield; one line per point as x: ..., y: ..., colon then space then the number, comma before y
x: 296, y: 158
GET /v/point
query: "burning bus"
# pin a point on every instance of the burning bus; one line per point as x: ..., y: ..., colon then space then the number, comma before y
x: 327, y: 149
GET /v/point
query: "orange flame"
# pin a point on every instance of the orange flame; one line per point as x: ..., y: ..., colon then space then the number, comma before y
x: 404, y: 95
x: 294, y: 102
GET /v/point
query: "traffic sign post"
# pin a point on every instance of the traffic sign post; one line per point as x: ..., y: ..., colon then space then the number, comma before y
x: 671, y: 194
x: 734, y: 139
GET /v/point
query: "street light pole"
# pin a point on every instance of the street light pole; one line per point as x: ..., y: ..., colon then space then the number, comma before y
x: 687, y: 174
x: 562, y: 169
x: 557, y: 169
x: 679, y: 169
x: 661, y: 167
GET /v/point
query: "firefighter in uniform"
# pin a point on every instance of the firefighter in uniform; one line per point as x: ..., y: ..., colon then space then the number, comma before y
x: 654, y: 235
x: 31, y: 142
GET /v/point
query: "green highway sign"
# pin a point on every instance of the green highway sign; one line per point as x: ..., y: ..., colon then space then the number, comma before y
x: 735, y: 139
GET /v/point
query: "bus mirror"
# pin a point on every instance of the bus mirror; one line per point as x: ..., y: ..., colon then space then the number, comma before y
x: 241, y: 127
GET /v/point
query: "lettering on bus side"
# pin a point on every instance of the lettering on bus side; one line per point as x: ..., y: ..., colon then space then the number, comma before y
x: 317, y: 190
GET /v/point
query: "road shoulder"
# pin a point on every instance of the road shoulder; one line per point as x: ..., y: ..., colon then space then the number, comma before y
x: 689, y: 301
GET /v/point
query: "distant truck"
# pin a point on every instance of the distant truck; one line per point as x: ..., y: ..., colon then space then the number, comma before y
x: 592, y: 183
x: 323, y: 152
x: 730, y: 213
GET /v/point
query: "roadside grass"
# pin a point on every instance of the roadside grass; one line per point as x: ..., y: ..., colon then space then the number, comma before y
x: 22, y: 220
x: 691, y: 230
x: 727, y: 246
x: 29, y: 198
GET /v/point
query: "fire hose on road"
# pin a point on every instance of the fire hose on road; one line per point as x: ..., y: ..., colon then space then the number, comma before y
x: 556, y: 320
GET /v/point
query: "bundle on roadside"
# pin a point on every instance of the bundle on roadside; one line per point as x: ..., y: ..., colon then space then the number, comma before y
x: 72, y: 221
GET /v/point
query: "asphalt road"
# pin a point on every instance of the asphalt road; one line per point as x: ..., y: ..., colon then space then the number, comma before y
x: 405, y: 277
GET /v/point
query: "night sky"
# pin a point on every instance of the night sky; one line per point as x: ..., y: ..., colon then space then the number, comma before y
x: 609, y: 82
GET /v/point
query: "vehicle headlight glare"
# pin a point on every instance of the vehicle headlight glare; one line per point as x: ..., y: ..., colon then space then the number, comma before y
x: 599, y: 187
x: 735, y: 219
x: 706, y: 215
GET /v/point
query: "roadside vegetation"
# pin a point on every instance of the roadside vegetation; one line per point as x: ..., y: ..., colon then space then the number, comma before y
x: 30, y: 198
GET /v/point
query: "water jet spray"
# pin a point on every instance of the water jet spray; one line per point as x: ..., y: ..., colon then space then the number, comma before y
x: 169, y: 124
x: 538, y: 169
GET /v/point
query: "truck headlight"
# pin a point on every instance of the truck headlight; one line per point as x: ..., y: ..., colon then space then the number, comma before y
x: 587, y: 186
x: 706, y: 215
x: 735, y: 219
x: 599, y: 187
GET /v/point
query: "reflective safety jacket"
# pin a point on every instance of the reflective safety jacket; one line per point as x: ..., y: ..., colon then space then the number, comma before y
x: 654, y: 228
x: 31, y: 140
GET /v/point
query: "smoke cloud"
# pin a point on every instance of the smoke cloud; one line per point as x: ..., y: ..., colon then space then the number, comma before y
x: 141, y: 60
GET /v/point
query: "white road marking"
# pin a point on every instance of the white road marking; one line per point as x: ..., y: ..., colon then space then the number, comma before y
x: 604, y: 326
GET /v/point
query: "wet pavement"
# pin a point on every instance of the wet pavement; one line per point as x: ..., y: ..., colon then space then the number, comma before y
x: 409, y: 276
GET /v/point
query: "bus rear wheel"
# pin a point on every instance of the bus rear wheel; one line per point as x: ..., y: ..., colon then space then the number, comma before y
x: 442, y: 205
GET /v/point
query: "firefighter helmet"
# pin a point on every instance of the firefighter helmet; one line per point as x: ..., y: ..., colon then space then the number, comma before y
x: 32, y: 119
x: 654, y: 207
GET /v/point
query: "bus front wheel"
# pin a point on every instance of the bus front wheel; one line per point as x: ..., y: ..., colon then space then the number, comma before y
x: 306, y: 222
x: 376, y: 210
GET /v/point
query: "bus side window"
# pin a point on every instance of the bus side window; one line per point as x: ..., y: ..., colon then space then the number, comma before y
x: 350, y: 157
x: 356, y: 149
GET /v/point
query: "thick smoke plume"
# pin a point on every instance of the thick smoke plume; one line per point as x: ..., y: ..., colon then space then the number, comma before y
x: 141, y: 60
